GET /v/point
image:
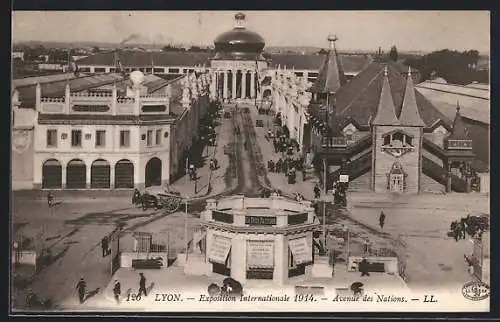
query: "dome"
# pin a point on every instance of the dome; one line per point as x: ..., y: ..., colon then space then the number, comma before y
x: 239, y: 43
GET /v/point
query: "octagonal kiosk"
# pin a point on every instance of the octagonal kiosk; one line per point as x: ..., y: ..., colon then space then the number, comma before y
x: 255, y: 239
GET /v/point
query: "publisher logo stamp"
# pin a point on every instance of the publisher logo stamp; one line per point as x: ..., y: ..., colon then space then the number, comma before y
x: 475, y: 291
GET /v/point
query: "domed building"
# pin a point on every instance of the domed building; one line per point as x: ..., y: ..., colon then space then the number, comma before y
x: 237, y: 61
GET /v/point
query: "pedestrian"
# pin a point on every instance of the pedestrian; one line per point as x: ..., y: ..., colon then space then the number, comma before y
x: 363, y: 267
x: 344, y: 232
x: 81, y: 287
x: 366, y: 245
x: 142, y: 285
x: 381, y: 219
x: 50, y: 199
x: 104, y: 246
x: 117, y: 291
x: 470, y: 269
x: 316, y: 192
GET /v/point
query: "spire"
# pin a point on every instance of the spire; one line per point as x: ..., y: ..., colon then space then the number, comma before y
x: 459, y: 131
x: 330, y: 77
x: 385, y: 111
x: 409, y: 112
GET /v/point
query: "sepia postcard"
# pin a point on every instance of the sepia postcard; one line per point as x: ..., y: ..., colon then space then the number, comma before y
x: 254, y: 161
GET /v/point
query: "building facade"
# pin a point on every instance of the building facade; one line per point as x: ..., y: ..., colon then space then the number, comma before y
x: 255, y: 239
x: 119, y: 135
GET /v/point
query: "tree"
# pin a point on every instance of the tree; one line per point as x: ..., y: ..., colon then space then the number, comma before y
x: 454, y: 66
x: 322, y: 52
x: 475, y: 225
x: 170, y: 48
x: 393, y: 53
x: 96, y: 49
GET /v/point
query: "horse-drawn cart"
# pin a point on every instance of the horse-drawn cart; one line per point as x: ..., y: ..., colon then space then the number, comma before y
x: 158, y: 198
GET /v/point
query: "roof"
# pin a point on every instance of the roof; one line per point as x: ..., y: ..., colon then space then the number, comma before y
x: 348, y: 63
x: 385, y: 111
x: 144, y: 58
x: 27, y: 94
x: 151, y: 82
x: 474, y: 100
x: 331, y: 76
x: 176, y: 97
x: 459, y: 131
x: 42, y: 79
x: 358, y: 99
x: 409, y: 111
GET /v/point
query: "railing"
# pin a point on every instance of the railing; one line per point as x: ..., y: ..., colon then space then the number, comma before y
x: 53, y: 99
x: 334, y: 142
x: 125, y: 100
x: 350, y: 149
x: 92, y: 94
x: 459, y: 144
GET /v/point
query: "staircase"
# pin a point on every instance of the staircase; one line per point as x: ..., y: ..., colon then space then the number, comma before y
x: 438, y: 173
x: 355, y: 169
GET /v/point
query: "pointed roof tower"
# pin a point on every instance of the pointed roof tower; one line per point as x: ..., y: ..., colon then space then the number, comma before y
x: 459, y: 131
x: 330, y: 77
x: 386, y: 114
x: 410, y: 115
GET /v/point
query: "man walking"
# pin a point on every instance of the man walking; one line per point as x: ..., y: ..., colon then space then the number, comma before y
x: 117, y: 291
x: 381, y: 219
x: 142, y: 285
x: 316, y: 192
x: 81, y: 288
x: 104, y: 246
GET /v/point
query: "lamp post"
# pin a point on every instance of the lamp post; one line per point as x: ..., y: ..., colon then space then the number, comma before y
x: 324, y: 200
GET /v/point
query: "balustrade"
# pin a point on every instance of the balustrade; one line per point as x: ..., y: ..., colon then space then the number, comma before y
x: 334, y: 142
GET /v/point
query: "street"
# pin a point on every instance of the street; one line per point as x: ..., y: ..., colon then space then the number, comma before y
x: 73, y: 230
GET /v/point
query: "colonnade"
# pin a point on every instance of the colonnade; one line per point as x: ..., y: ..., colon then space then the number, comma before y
x: 236, y: 83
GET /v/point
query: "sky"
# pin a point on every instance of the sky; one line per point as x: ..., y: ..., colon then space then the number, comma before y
x: 364, y: 30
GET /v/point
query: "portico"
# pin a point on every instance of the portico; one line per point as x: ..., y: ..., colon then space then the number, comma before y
x: 237, y: 62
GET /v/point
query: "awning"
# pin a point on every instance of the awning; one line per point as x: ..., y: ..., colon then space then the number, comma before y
x: 219, y: 250
x: 302, y: 252
x: 260, y: 254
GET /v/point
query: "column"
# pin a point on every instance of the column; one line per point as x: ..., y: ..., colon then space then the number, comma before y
x: 88, y: 169
x: 111, y: 176
x: 252, y: 84
x: 234, y: 72
x: 243, y: 84
x: 448, y: 176
x: 225, y: 88
x: 63, y: 176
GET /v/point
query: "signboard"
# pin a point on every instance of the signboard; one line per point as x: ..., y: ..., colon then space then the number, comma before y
x: 260, y: 254
x: 302, y: 252
x: 344, y: 178
x: 260, y: 220
x: 219, y: 249
x: 222, y: 216
x: 297, y: 219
